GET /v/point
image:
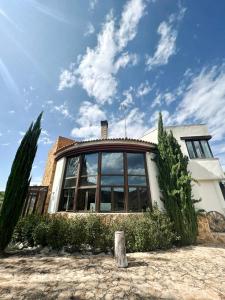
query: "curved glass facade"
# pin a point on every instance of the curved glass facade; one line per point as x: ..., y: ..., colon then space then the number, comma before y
x: 106, y: 182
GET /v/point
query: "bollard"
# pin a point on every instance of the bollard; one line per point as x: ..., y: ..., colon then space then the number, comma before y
x: 120, y: 250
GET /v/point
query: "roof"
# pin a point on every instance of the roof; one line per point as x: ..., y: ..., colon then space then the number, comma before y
x: 101, y: 142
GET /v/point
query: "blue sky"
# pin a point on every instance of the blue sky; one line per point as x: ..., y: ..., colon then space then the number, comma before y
x: 84, y: 61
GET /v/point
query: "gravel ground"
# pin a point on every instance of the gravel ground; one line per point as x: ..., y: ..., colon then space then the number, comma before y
x: 187, y: 273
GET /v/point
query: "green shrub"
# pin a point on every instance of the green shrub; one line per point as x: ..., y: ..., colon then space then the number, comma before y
x: 40, y: 234
x: 76, y: 233
x: 25, y: 227
x: 143, y: 232
x: 57, y: 233
x: 96, y: 232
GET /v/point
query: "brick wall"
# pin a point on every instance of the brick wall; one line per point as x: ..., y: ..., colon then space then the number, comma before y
x: 51, y: 165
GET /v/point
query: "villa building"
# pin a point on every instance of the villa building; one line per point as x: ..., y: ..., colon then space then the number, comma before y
x: 120, y: 175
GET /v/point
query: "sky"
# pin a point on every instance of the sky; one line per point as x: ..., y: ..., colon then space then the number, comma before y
x: 83, y: 61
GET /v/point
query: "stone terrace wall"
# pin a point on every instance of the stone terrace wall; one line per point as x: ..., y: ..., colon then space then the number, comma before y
x: 206, y: 235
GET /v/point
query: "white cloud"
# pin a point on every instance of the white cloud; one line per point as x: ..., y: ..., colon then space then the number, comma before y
x: 131, y: 15
x: 204, y: 100
x: 92, y: 4
x: 143, y: 89
x: 167, y: 43
x: 11, y: 112
x: 90, y: 29
x: 5, y: 144
x: 0, y: 134
x: 88, y: 121
x: 128, y: 100
x: 63, y: 109
x: 134, y: 122
x: 22, y: 133
x: 97, y: 68
x: 126, y: 59
x: 167, y: 118
x: 89, y: 118
x: 45, y: 140
x: 67, y: 79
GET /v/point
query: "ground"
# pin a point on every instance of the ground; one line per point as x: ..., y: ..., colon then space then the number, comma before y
x: 187, y: 273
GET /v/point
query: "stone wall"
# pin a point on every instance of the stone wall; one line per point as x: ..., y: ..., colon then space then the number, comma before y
x: 51, y: 165
x: 206, y: 235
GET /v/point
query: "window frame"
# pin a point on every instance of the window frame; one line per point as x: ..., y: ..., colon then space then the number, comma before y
x: 98, y: 187
x: 201, y: 148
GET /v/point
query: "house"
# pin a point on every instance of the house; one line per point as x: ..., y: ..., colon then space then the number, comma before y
x: 120, y: 175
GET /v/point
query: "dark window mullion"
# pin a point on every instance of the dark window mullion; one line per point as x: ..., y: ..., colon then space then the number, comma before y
x: 125, y: 182
x: 202, y: 150
x: 209, y: 148
x: 77, y: 184
x: 193, y: 146
x: 98, y: 187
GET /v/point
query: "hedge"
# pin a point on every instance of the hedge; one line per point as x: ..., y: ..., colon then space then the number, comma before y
x: 143, y: 232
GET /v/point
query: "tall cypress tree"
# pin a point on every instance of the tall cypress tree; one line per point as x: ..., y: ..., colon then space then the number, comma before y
x: 18, y: 183
x: 175, y: 185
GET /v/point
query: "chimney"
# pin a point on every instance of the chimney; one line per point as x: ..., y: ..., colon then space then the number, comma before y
x: 104, y: 129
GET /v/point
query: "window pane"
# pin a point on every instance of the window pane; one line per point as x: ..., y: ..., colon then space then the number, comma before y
x: 72, y: 166
x: 144, y: 201
x: 136, y: 180
x: 86, y: 200
x: 112, y: 180
x: 205, y: 147
x: 106, y: 204
x: 90, y: 164
x: 70, y: 182
x: 198, y: 149
x: 222, y: 187
x: 133, y: 199
x: 67, y: 199
x: 190, y: 149
x: 112, y: 163
x: 118, y: 198
x: 136, y: 163
x: 89, y: 180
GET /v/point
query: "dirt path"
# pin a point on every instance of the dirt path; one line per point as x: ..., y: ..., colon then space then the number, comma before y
x: 188, y: 273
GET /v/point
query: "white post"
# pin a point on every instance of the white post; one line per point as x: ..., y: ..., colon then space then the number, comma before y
x: 120, y: 250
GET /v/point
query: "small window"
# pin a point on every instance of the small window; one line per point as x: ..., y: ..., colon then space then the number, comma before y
x: 198, y: 149
x: 222, y: 187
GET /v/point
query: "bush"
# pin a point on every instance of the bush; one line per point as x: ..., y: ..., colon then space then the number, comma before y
x: 57, y: 233
x: 40, y: 234
x: 96, y: 232
x: 143, y: 232
x: 76, y: 233
x: 25, y: 227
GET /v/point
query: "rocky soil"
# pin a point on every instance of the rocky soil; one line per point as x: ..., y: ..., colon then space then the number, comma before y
x: 188, y: 273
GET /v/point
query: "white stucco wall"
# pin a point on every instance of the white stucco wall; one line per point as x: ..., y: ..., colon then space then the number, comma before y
x: 210, y: 194
x: 153, y: 181
x: 207, y: 172
x: 57, y: 184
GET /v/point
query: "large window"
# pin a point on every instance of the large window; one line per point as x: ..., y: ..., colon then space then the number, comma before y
x: 199, y: 149
x: 106, y: 182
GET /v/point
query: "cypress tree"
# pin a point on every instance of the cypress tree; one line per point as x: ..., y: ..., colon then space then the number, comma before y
x: 175, y: 185
x: 18, y: 183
